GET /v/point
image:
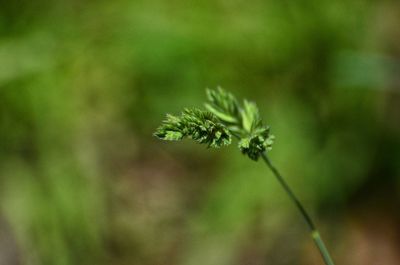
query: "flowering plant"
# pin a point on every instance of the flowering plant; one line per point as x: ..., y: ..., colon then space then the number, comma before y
x: 223, y: 119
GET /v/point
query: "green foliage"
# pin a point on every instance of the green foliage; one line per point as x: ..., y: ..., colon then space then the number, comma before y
x: 76, y: 81
x: 225, y: 117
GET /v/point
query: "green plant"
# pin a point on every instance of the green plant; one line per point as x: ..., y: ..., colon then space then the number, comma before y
x: 226, y: 117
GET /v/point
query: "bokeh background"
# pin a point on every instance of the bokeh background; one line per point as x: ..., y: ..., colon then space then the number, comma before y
x: 83, y: 85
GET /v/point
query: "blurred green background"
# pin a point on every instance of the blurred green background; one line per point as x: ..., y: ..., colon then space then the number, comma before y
x: 83, y: 85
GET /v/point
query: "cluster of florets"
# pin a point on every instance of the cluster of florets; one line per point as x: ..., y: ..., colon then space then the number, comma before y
x: 201, y: 126
x: 224, y: 117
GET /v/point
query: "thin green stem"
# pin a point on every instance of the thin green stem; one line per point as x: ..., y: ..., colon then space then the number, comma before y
x: 314, y: 231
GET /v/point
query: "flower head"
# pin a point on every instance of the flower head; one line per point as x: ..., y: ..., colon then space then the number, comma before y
x: 224, y: 117
x: 201, y: 126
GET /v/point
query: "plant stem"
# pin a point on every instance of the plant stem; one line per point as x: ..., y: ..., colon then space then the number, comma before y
x: 314, y: 231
